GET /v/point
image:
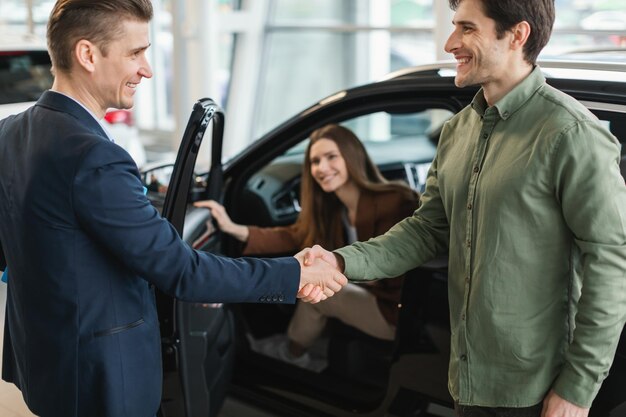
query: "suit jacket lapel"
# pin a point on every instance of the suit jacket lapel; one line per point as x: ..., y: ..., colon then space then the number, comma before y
x: 60, y: 102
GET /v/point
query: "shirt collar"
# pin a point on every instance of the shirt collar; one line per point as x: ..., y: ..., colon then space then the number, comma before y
x: 514, y: 99
x: 100, y: 121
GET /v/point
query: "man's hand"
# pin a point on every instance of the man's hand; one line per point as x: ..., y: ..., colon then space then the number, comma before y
x: 555, y: 406
x: 224, y: 222
x: 312, y: 293
x: 318, y: 279
x: 310, y: 254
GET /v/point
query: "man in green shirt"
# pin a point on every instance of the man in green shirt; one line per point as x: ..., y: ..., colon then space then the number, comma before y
x: 526, y: 196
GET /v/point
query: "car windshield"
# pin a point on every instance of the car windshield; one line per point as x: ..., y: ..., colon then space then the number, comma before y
x: 24, y: 76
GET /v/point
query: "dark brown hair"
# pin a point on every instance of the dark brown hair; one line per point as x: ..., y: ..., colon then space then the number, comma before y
x: 99, y: 21
x: 507, y: 13
x: 320, y: 219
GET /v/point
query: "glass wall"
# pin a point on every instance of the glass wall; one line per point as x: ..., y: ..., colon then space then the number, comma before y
x: 313, y: 48
x: 156, y: 107
x: 587, y: 26
x: 17, y: 16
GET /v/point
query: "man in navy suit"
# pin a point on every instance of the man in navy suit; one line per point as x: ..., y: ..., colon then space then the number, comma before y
x: 82, y: 242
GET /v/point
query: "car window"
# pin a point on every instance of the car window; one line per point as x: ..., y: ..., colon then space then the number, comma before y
x: 24, y: 76
x: 417, y: 131
x: 401, y: 145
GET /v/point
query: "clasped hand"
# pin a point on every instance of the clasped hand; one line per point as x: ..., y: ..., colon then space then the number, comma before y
x: 320, y: 277
x: 555, y: 406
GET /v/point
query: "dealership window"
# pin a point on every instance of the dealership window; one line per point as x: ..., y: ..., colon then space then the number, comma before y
x: 313, y: 49
x: 587, y: 26
x: 285, y: 54
x: 157, y: 99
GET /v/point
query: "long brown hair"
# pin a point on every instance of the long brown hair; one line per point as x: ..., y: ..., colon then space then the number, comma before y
x: 319, y: 221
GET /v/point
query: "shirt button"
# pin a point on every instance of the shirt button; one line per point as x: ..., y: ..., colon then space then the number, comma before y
x: 485, y: 136
x: 476, y: 169
x: 469, y: 206
x: 469, y: 243
x: 467, y: 279
x: 463, y: 358
x: 463, y: 317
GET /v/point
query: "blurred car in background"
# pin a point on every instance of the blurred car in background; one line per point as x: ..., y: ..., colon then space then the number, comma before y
x: 25, y: 75
x: 615, y: 54
x: 605, y: 20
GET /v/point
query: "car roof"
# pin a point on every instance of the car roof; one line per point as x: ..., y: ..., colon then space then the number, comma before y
x: 553, y: 68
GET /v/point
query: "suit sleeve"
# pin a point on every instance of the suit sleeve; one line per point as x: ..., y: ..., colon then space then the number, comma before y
x: 112, y: 209
x: 3, y: 262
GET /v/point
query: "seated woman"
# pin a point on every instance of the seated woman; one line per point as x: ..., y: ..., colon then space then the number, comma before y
x: 344, y: 198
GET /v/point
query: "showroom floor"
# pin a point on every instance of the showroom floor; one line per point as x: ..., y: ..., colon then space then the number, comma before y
x: 12, y: 405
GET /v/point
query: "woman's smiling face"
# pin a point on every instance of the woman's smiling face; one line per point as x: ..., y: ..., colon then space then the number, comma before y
x: 328, y: 166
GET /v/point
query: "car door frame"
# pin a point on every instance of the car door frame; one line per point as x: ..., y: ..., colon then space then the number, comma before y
x: 192, y: 332
x: 393, y: 96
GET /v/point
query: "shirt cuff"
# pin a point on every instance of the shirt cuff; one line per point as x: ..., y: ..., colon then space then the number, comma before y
x: 575, y: 388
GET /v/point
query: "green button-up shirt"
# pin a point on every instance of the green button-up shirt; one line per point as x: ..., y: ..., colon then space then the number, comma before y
x: 527, y: 198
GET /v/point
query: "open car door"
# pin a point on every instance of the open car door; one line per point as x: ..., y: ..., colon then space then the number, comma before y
x: 197, y: 339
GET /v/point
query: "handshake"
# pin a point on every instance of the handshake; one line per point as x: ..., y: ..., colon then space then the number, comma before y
x: 320, y: 274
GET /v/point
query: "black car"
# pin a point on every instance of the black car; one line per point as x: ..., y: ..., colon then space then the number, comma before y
x: 207, y: 348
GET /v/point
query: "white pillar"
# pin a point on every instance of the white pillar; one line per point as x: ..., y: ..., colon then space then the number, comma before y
x: 195, y: 29
x: 30, y: 24
x: 249, y: 24
x: 443, y: 28
x: 379, y: 56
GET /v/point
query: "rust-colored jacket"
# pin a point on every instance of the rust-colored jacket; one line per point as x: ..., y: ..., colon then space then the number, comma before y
x: 376, y: 213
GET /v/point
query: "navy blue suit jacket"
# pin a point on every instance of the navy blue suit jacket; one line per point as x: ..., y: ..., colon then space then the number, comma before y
x: 83, y: 243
